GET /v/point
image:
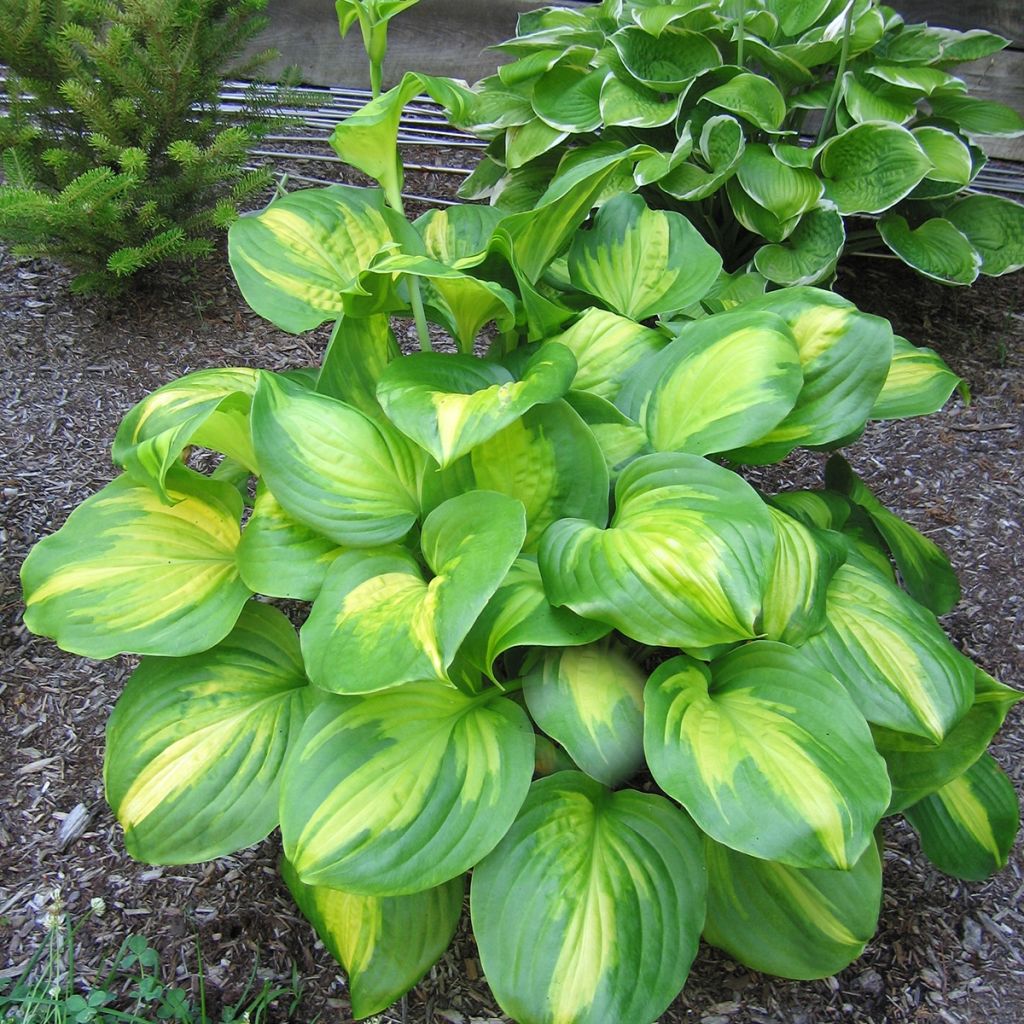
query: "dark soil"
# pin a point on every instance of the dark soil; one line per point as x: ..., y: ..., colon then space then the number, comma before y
x: 946, y: 951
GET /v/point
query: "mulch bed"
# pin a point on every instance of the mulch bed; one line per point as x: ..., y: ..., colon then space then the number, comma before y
x: 946, y: 951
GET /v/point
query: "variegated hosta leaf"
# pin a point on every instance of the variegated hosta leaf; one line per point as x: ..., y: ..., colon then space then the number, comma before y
x: 891, y: 655
x: 448, y: 404
x: 918, y: 383
x: 754, y: 217
x: 295, y: 259
x: 359, y: 350
x: 995, y: 227
x: 950, y: 157
x: 684, y: 400
x: 918, y: 768
x: 620, y: 439
x: 642, y: 262
x: 130, y: 573
x: 376, y: 622
x: 845, y: 355
x: 385, y: 943
x: 967, y: 828
x: 211, y: 403
x: 752, y: 97
x: 281, y: 557
x: 809, y: 254
x: 606, y: 346
x: 784, y: 191
x: 519, y: 615
x: 666, y: 63
x: 796, y: 16
x: 768, y: 753
x: 977, y: 116
x: 629, y: 104
x: 195, y: 745
x: 806, y: 559
x: 926, y: 572
x: 567, y: 98
x: 935, y: 248
x: 684, y: 562
x: 800, y: 923
x: 331, y: 467
x: 590, y: 699
x: 458, y: 235
x: 872, y: 166
x: 721, y: 148
x: 590, y: 909
x: 390, y: 793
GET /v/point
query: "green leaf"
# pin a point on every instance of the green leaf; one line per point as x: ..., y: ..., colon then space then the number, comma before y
x: 332, y: 468
x: 668, y: 62
x: 752, y: 97
x: 918, y: 768
x: 458, y: 235
x: 978, y: 117
x: 845, y: 356
x: 797, y: 16
x: 869, y: 99
x: 606, y: 346
x: 590, y: 699
x: 209, y: 408
x: 872, y: 166
x: 385, y: 943
x: 519, y: 615
x: 754, y: 217
x: 376, y: 623
x: 128, y: 573
x: 809, y: 254
x: 950, y: 157
x: 967, y: 828
x: 642, y: 262
x: 918, y: 383
x: 620, y: 439
x: 926, y: 572
x: 995, y: 227
x: 800, y: 923
x: 721, y: 147
x: 195, y: 745
x: 784, y: 191
x: 685, y: 402
x: 682, y: 564
x: 295, y: 260
x: 358, y: 352
x: 566, y: 98
x: 629, y: 104
x: 891, y: 656
x: 768, y: 753
x: 449, y: 404
x: 971, y: 45
x: 281, y: 557
x: 525, y: 143
x: 387, y: 794
x: 935, y: 248
x: 591, y: 907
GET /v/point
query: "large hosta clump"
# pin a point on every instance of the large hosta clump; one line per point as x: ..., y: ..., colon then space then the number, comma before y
x: 774, y: 121
x: 549, y: 633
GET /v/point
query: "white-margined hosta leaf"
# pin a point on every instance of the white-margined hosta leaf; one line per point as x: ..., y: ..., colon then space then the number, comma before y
x: 684, y: 562
x: 666, y: 63
x: 950, y: 156
x: 721, y: 147
x: 606, y: 347
x: 891, y: 655
x: 350, y: 478
x: 590, y: 909
x: 872, y: 166
x: 590, y: 699
x: 935, y: 248
x: 209, y: 408
x: 796, y: 16
x: 918, y: 383
x: 377, y: 623
x: 195, y: 745
x: 806, y: 559
x: 967, y: 828
x: 870, y: 99
x: 977, y: 116
x: 359, y: 349
x: 926, y: 572
x: 768, y: 753
x: 448, y: 404
x: 296, y: 259
x: 918, y: 767
x: 385, y: 943
x: 567, y: 98
x: 396, y: 791
x: 642, y: 262
x: 686, y: 401
x: 129, y: 572
x: 754, y: 217
x: 809, y: 254
x: 525, y: 143
x: 752, y: 97
x: 995, y: 227
x: 519, y: 615
x: 281, y: 557
x: 784, y: 191
x: 620, y: 439
x: 845, y: 355
x: 800, y: 923
x: 629, y: 104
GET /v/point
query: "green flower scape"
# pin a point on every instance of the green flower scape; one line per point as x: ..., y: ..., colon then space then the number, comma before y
x: 551, y: 635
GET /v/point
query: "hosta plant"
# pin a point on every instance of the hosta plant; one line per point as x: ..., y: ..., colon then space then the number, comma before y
x: 549, y: 635
x: 776, y: 123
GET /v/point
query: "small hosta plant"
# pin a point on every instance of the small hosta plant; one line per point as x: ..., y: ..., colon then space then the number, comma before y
x: 549, y: 635
x: 775, y: 122
x: 116, y: 154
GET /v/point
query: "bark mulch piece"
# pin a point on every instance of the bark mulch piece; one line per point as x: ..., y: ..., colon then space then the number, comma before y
x: 946, y: 952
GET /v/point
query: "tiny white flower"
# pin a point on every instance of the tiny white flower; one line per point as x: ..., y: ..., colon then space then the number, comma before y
x: 53, y: 991
x: 98, y: 906
x: 51, y: 921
